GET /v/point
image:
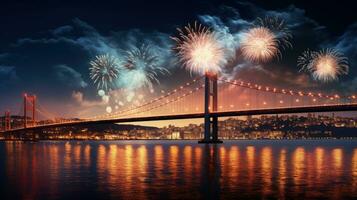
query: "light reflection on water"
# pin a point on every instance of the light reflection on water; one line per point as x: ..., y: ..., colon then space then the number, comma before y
x: 179, y: 169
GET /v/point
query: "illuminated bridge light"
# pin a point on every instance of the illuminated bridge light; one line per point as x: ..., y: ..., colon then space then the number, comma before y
x: 297, y: 100
x: 281, y: 101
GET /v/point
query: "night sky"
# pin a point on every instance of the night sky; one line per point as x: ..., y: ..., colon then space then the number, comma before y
x: 46, y: 46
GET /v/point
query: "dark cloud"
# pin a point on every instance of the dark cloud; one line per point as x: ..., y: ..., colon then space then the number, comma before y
x: 62, y: 30
x: 69, y: 76
x: 4, y: 56
x: 347, y: 44
x: 7, y: 75
x: 116, y: 43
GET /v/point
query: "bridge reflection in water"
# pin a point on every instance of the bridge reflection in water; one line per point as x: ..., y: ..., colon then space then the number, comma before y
x: 151, y: 169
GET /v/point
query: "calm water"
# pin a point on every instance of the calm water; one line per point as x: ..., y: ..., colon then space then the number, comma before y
x: 179, y: 170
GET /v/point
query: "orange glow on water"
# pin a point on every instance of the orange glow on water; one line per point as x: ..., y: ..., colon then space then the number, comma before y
x: 282, y: 173
x: 319, y: 156
x: 250, y: 154
x: 266, y: 162
x: 298, y: 163
x: 354, y: 170
x: 124, y: 169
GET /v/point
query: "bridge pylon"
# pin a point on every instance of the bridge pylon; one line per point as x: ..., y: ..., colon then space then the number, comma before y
x: 7, y: 121
x: 29, y: 105
x: 210, y: 105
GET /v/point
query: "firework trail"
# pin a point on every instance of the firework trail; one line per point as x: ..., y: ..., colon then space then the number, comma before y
x: 104, y: 70
x: 199, y: 49
x: 325, y: 65
x: 144, y: 65
x: 263, y: 41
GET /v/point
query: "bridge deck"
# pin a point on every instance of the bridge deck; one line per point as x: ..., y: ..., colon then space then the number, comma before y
x: 282, y: 110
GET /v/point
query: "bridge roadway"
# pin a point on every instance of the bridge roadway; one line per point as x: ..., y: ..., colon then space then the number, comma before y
x: 267, y: 111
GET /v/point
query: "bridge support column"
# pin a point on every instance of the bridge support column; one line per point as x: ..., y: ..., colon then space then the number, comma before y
x: 25, y: 111
x: 29, y: 100
x: 7, y: 119
x: 210, y: 104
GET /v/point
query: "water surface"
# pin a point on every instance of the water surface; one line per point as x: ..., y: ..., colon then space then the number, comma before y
x: 249, y: 169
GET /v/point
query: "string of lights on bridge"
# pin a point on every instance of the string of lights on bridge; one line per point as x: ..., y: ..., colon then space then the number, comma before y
x: 176, y: 99
x: 164, y: 96
x: 239, y: 83
x: 283, y: 91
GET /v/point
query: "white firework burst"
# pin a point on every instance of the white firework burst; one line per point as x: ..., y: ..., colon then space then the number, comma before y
x: 279, y: 28
x: 325, y: 65
x: 259, y: 44
x: 199, y: 49
x: 104, y: 70
x: 144, y: 65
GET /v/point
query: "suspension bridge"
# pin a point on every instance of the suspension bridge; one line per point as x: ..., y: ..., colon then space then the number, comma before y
x: 207, y: 97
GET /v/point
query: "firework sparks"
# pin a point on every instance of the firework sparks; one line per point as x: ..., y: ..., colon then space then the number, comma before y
x: 325, y: 65
x: 263, y: 41
x: 104, y: 70
x: 259, y: 45
x: 144, y: 65
x: 278, y: 27
x: 199, y: 49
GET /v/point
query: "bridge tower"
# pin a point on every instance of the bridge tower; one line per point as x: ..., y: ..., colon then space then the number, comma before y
x: 7, y: 119
x: 210, y: 105
x: 29, y: 106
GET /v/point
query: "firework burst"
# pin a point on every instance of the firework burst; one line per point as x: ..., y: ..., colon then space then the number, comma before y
x: 259, y: 45
x: 263, y: 41
x: 144, y: 65
x: 278, y: 27
x: 199, y: 49
x: 325, y: 65
x: 104, y: 70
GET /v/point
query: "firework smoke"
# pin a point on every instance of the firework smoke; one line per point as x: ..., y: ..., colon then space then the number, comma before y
x: 325, y: 65
x: 144, y: 65
x: 199, y: 50
x: 104, y: 70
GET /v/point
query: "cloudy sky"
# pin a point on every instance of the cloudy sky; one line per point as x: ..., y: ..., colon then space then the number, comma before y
x: 46, y: 46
